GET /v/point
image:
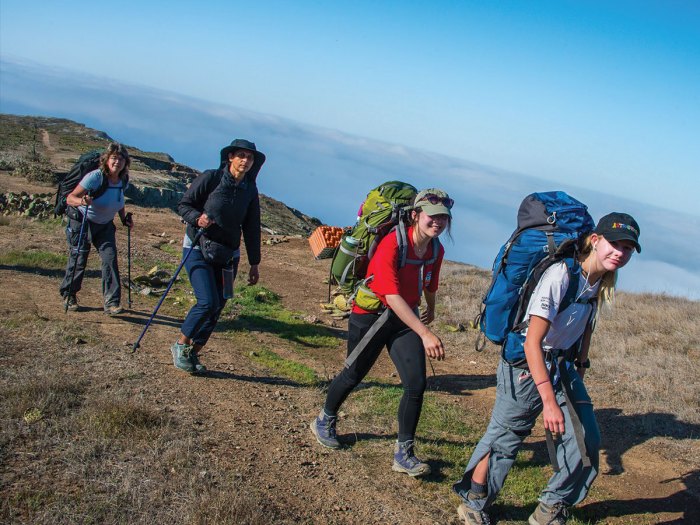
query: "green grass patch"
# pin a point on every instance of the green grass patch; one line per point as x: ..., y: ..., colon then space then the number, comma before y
x: 171, y: 249
x: 444, y: 434
x: 39, y: 259
x: 260, y: 309
x: 297, y: 372
x: 51, y: 225
x: 439, y: 419
x: 525, y: 482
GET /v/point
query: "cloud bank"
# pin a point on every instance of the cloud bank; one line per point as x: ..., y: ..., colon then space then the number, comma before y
x: 327, y: 173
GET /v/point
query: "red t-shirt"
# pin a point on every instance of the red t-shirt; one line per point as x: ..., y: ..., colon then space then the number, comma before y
x: 389, y: 280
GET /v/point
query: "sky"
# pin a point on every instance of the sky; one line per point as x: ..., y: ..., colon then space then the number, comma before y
x: 490, y: 102
x: 604, y: 93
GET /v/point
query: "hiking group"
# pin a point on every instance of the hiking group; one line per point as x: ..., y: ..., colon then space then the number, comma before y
x: 551, y: 278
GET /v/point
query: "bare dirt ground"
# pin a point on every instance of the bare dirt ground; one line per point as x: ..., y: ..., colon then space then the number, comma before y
x: 256, y: 425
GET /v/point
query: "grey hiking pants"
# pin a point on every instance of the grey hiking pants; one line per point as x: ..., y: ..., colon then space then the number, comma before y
x: 518, y: 404
x: 102, y: 236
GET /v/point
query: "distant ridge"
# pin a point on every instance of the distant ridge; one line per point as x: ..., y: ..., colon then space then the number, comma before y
x: 44, y: 148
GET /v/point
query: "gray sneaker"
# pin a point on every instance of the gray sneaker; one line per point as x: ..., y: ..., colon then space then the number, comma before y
x: 471, y: 516
x: 114, y: 309
x: 182, y: 357
x: 71, y: 303
x: 323, y: 427
x: 557, y: 514
x: 406, y: 461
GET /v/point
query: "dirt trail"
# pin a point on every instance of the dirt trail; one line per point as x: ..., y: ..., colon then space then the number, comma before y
x: 46, y: 140
x: 265, y: 419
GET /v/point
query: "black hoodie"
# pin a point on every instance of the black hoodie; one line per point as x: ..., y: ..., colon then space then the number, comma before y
x: 234, y: 209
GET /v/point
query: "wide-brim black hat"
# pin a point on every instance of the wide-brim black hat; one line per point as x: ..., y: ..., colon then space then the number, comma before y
x: 246, y: 145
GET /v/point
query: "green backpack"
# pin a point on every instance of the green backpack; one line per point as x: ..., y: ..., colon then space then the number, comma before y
x: 385, y: 207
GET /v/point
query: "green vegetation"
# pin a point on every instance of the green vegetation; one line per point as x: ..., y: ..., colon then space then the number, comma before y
x: 38, y: 259
x: 171, y: 249
x: 284, y: 367
x: 260, y: 309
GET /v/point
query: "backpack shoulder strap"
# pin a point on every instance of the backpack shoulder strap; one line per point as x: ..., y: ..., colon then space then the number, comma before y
x: 402, y: 242
x: 103, y: 187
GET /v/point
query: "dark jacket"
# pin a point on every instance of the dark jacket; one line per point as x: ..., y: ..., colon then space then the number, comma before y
x: 234, y: 209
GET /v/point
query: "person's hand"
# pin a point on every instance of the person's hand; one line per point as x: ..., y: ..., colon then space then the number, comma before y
x: 86, y: 200
x: 204, y: 221
x: 128, y: 220
x: 433, y: 346
x: 253, y: 275
x: 427, y: 316
x: 553, y: 418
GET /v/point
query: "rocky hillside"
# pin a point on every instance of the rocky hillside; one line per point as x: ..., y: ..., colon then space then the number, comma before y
x: 43, y: 149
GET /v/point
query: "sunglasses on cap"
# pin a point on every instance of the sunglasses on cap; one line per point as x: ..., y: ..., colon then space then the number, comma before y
x: 434, y: 199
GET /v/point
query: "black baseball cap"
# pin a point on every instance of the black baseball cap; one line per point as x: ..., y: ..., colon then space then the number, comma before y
x: 618, y: 226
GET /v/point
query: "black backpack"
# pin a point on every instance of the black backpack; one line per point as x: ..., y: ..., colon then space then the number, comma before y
x: 86, y: 163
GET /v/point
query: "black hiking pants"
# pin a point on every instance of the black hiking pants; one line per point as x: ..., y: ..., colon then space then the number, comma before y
x: 406, y: 351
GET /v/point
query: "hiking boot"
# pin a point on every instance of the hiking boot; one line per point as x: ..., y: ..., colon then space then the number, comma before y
x: 556, y: 514
x: 199, y: 368
x: 323, y: 427
x: 182, y: 356
x: 71, y: 302
x: 471, y: 516
x: 114, y: 309
x: 405, y: 460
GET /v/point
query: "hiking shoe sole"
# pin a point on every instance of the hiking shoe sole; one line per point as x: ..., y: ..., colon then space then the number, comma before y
x: 114, y: 310
x: 421, y: 470
x: 327, y: 444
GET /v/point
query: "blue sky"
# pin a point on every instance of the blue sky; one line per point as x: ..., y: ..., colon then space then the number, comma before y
x: 601, y: 94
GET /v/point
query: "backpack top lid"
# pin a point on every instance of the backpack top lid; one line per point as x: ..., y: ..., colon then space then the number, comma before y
x: 390, y: 194
x: 554, y: 211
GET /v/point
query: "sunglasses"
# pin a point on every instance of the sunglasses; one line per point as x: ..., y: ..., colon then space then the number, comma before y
x: 434, y: 199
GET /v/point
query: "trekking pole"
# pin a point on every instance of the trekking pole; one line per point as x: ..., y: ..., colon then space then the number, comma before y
x: 199, y: 233
x: 128, y: 256
x: 77, y: 255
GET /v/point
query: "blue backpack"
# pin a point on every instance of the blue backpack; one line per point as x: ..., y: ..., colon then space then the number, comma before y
x: 549, y: 227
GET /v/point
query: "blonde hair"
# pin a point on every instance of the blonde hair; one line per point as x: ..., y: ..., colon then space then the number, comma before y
x: 606, y: 290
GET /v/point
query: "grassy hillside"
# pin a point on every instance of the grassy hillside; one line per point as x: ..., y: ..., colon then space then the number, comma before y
x: 42, y: 149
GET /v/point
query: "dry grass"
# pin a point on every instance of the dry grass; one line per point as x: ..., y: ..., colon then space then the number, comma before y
x: 78, y: 447
x: 645, y: 357
x: 645, y: 354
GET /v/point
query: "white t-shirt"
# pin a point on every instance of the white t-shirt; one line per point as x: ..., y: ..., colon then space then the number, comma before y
x: 568, y: 326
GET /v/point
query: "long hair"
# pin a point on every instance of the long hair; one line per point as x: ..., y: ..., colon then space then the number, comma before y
x: 115, y: 148
x: 606, y: 290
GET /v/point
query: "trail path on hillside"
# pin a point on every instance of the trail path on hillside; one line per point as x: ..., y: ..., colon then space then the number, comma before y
x: 261, y: 421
